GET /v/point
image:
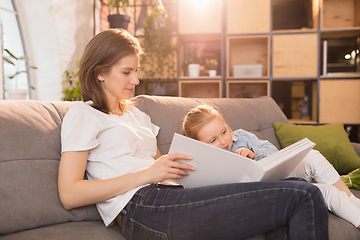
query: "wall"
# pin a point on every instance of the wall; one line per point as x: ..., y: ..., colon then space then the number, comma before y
x: 55, y: 33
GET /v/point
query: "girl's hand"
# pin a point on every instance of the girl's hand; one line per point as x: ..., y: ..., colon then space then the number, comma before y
x: 246, y: 153
x: 166, y: 168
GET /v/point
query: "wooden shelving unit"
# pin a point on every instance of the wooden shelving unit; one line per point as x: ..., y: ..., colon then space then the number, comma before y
x: 287, y: 39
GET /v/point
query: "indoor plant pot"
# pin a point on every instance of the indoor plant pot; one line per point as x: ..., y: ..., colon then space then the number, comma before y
x: 119, y: 21
x: 17, y: 94
x: 194, y: 70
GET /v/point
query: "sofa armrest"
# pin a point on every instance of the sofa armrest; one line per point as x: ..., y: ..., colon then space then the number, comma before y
x: 356, y: 147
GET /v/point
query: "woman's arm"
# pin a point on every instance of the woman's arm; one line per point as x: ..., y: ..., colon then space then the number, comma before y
x: 74, y: 191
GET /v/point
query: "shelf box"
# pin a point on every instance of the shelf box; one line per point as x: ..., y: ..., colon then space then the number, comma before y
x: 247, y: 89
x: 339, y: 56
x: 289, y: 95
x: 195, y: 18
x: 295, y: 55
x: 204, y: 47
x: 342, y: 14
x: 248, y: 50
x: 248, y: 16
x: 200, y: 88
x: 295, y: 14
x: 339, y: 101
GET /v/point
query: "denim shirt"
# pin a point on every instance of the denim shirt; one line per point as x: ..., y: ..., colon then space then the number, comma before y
x: 244, y: 139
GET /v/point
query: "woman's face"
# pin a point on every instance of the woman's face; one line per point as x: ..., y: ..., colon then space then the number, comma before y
x: 216, y: 133
x: 120, y: 82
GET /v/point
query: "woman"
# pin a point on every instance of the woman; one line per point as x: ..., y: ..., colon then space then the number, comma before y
x: 115, y: 143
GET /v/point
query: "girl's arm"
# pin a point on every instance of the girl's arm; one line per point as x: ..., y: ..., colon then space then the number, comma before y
x: 75, y: 192
x: 259, y: 147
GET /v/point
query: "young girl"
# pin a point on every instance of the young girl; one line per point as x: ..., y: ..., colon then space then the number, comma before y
x: 206, y: 124
x: 115, y: 144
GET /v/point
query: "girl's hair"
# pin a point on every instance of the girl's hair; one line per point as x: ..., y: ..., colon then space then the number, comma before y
x: 197, y: 118
x: 100, y: 54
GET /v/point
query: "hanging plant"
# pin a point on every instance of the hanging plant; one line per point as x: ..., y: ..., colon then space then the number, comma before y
x: 159, y: 58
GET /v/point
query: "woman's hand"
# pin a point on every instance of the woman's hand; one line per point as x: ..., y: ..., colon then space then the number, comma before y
x: 246, y: 153
x: 166, y: 168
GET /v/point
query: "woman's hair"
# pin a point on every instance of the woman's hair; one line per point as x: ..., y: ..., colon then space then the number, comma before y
x: 100, y: 54
x: 197, y: 118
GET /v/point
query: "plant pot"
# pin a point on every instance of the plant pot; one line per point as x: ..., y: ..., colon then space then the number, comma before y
x: 212, y: 73
x: 194, y: 70
x: 17, y: 94
x: 119, y: 21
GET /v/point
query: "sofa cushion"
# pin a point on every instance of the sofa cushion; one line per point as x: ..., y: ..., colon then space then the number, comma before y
x: 89, y: 230
x: 254, y: 115
x: 331, y: 141
x: 29, y: 159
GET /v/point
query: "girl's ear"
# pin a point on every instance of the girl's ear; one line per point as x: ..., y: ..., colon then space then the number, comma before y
x: 100, y: 77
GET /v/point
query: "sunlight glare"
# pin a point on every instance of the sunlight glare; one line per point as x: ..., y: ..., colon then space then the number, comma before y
x: 200, y: 3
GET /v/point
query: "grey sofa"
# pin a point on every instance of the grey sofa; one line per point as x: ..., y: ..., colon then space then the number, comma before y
x: 30, y: 151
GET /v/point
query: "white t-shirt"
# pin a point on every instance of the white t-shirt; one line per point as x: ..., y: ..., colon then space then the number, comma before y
x: 117, y: 145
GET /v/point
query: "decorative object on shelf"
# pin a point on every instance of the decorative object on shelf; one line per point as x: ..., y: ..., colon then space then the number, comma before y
x: 158, y: 61
x: 72, y: 92
x: 252, y: 70
x: 212, y: 64
x: 191, y: 61
x: 117, y: 20
x: 194, y: 70
x: 19, y: 63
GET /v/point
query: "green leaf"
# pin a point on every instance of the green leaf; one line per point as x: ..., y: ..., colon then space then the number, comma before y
x: 8, y: 60
x: 12, y: 55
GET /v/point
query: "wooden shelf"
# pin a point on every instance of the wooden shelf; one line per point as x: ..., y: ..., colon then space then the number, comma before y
x: 195, y: 18
x: 290, y: 96
x: 248, y: 50
x: 247, y: 89
x: 295, y: 15
x: 342, y: 14
x: 200, y: 88
x: 339, y: 101
x: 255, y: 14
x: 295, y: 55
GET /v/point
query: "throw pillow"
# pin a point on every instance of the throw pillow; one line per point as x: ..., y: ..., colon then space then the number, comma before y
x: 331, y: 141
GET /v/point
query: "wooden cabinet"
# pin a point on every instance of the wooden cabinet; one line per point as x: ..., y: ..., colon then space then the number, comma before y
x: 295, y: 55
x: 200, y: 88
x: 248, y: 16
x: 344, y: 14
x: 339, y: 101
x: 247, y: 89
x: 248, y: 50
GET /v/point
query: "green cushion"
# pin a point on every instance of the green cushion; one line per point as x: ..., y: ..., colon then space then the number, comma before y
x: 331, y: 141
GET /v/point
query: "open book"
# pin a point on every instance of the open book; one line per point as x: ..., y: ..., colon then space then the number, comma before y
x: 217, y: 166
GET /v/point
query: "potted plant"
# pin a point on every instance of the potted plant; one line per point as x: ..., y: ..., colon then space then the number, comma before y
x: 159, y: 58
x: 117, y: 20
x: 192, y: 60
x: 72, y: 92
x: 19, y: 64
x: 212, y: 64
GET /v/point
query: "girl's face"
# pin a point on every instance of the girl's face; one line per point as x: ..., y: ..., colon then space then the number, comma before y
x: 120, y: 82
x: 216, y: 133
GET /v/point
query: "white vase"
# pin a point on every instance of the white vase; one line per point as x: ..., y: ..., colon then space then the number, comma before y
x: 212, y: 73
x: 194, y: 70
x: 17, y: 94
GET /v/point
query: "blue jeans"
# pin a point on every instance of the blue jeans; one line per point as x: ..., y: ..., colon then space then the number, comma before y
x: 294, y: 209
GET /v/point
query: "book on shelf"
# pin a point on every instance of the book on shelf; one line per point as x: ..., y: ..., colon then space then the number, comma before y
x: 215, y: 166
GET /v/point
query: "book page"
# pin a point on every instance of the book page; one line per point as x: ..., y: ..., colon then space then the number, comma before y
x: 213, y: 165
